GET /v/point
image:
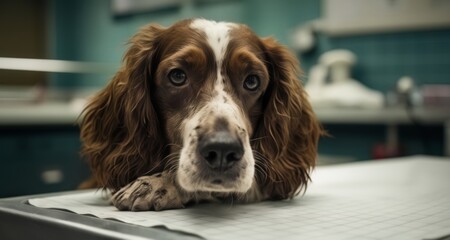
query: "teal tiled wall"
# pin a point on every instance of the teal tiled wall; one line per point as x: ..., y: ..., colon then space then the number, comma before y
x: 384, y: 58
x: 87, y: 31
x: 357, y: 141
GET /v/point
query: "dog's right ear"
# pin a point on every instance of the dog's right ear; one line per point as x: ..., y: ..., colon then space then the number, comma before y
x: 121, y: 135
x: 289, y: 132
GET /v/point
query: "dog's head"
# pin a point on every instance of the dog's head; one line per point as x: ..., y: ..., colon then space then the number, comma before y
x: 211, y: 102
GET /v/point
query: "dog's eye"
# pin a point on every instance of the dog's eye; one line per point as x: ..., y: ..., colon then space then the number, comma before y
x: 177, y: 77
x: 252, y: 83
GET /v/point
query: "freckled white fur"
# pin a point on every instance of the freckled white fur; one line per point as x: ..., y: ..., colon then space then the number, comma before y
x: 217, y: 34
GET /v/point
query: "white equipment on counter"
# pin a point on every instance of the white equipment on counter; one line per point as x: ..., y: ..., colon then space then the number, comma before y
x: 341, y: 90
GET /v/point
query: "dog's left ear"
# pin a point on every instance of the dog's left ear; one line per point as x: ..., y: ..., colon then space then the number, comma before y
x: 287, y: 135
x: 120, y: 128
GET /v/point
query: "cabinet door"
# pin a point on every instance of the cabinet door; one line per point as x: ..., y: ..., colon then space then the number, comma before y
x: 39, y: 160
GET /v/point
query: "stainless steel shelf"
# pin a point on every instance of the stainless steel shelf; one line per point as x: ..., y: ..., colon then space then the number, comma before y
x: 395, y: 115
x: 48, y: 113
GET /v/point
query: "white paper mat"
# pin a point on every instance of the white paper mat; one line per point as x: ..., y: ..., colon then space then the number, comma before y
x: 392, y: 199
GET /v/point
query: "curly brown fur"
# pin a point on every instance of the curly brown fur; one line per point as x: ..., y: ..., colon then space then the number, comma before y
x: 288, y: 135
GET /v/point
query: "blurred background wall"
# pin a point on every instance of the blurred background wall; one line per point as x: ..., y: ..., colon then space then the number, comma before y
x: 86, y: 30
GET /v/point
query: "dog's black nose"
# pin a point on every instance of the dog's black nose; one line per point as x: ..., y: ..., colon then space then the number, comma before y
x: 221, y: 150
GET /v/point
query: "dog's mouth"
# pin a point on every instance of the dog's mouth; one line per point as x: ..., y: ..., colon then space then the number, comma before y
x: 224, y: 177
x: 217, y: 181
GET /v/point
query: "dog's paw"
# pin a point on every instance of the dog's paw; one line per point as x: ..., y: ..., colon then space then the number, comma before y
x: 148, y: 193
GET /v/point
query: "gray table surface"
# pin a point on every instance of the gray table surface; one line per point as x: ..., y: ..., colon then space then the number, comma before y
x: 19, y: 220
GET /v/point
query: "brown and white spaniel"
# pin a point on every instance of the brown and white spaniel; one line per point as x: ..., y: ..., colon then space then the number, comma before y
x: 201, y: 111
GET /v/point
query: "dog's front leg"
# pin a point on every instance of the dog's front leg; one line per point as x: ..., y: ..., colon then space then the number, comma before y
x: 156, y: 192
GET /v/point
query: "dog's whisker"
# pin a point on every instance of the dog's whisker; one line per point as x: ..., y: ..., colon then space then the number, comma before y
x: 260, y: 165
x: 171, y: 162
x: 258, y: 138
x: 179, y: 146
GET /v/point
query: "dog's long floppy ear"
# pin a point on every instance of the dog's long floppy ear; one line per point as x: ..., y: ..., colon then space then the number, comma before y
x: 120, y: 132
x: 287, y: 135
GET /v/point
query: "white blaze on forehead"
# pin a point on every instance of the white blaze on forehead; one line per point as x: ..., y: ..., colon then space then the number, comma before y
x: 217, y: 34
x: 218, y: 37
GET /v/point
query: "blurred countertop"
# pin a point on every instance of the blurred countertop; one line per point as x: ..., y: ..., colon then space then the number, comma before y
x: 21, y: 106
x: 68, y: 112
x: 388, y: 115
x: 46, y: 113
